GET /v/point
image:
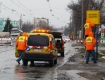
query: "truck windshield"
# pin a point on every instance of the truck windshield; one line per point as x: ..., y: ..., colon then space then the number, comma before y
x: 38, y: 40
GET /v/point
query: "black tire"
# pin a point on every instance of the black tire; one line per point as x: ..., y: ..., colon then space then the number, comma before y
x: 62, y: 54
x: 25, y: 62
x: 55, y: 61
x: 51, y: 63
x: 32, y: 63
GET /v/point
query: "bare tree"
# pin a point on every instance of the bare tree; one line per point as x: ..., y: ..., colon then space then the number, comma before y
x: 76, y: 11
x: 27, y: 27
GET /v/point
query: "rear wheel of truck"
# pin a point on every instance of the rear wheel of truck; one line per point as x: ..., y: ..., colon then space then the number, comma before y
x: 62, y: 54
x: 51, y: 63
x: 25, y: 62
x: 32, y: 63
x: 55, y: 61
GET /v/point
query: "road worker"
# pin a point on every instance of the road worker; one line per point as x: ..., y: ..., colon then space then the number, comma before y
x: 19, y: 36
x: 16, y: 52
x: 90, y: 43
x: 88, y: 27
x: 21, y: 45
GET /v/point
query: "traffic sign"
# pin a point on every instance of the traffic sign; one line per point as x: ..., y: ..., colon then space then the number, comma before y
x: 93, y: 16
x: 72, y: 32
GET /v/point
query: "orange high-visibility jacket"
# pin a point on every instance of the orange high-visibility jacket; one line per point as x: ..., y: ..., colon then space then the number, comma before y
x: 90, y: 42
x: 88, y: 27
x: 90, y: 24
x: 21, y: 42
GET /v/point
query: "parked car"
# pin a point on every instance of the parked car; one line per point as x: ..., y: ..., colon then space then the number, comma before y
x: 66, y: 39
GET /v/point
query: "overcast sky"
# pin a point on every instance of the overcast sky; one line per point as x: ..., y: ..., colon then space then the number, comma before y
x: 37, y: 9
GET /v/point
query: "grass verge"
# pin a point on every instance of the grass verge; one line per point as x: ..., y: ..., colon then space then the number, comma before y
x: 81, y: 50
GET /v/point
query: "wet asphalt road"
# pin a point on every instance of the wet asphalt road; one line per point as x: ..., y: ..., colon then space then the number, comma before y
x: 10, y: 70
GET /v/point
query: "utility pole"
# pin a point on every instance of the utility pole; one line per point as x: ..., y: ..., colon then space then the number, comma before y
x: 20, y: 21
x: 90, y: 5
x: 34, y: 22
x: 82, y: 27
x: 0, y: 6
x: 47, y: 23
x: 96, y: 32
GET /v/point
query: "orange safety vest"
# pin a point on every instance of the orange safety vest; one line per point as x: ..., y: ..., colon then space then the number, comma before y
x: 21, y: 43
x: 90, y: 43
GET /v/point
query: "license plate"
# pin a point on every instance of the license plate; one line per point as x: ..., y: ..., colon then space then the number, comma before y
x: 37, y: 50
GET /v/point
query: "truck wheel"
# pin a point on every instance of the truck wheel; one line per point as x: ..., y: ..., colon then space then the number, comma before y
x: 51, y: 63
x: 55, y: 61
x: 32, y: 63
x: 25, y: 62
x: 62, y: 54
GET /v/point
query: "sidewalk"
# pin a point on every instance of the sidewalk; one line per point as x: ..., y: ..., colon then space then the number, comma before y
x: 76, y: 65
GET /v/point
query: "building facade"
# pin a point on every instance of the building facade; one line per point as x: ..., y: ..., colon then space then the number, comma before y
x: 15, y: 24
x: 41, y: 23
x: 3, y: 22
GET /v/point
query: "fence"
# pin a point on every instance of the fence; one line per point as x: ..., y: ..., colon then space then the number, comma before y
x: 10, y: 41
x: 100, y: 41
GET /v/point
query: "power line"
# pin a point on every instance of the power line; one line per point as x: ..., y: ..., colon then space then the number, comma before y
x: 51, y: 9
x: 52, y: 12
x: 25, y: 7
x: 57, y: 7
x: 10, y: 9
x: 17, y: 14
x: 20, y: 7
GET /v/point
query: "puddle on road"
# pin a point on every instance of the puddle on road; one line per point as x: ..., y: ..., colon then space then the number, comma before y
x: 32, y: 72
x: 70, y: 75
x: 69, y: 53
x: 73, y: 75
